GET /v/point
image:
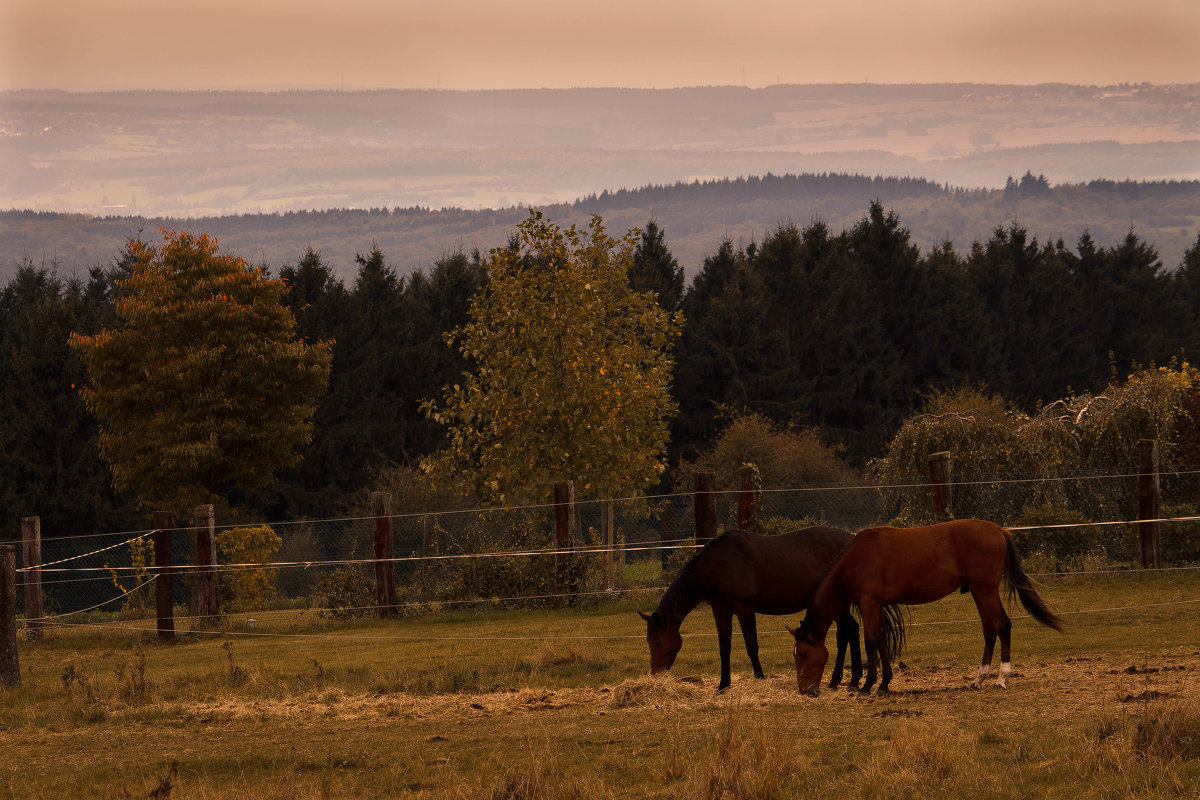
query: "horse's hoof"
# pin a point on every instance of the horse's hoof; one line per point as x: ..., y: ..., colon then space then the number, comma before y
x: 721, y: 689
x: 864, y: 691
x: 975, y: 685
x: 882, y: 690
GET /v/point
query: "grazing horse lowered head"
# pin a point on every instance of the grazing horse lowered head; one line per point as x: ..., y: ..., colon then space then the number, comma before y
x: 742, y: 573
x: 884, y: 568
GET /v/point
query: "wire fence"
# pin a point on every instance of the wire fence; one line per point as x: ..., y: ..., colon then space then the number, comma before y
x: 510, y: 556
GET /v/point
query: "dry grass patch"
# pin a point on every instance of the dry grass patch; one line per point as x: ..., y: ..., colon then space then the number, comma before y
x: 662, y: 691
x: 746, y: 760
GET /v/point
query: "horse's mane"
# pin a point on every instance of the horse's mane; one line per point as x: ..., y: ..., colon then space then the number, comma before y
x: 680, y: 597
x: 893, y: 617
x: 833, y: 561
x: 829, y: 569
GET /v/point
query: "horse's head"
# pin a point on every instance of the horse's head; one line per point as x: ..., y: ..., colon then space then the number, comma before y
x: 665, y: 642
x: 811, y: 655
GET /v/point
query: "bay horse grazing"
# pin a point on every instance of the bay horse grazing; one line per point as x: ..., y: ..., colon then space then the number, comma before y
x: 740, y: 573
x: 883, y: 568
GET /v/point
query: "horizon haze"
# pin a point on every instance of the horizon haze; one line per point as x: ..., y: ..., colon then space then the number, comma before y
x: 74, y: 45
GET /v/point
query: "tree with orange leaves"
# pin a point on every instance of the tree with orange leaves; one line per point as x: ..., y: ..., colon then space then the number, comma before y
x: 202, y: 386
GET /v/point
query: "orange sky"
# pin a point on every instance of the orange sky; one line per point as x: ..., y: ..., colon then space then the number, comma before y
x: 469, y: 44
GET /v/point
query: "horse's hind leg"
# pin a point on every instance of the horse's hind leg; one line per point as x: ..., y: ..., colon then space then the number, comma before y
x: 993, y: 619
x: 1005, y: 632
x: 750, y: 635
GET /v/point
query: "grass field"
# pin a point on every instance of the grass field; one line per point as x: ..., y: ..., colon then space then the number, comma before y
x: 557, y: 704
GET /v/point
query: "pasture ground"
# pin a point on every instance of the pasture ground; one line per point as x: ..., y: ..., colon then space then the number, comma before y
x: 558, y: 704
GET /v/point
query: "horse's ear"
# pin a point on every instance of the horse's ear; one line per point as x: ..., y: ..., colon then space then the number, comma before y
x: 644, y: 615
x: 791, y: 630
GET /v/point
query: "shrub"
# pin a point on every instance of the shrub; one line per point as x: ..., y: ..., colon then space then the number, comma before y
x: 488, y: 560
x: 1061, y: 549
x: 346, y: 592
x: 137, y: 588
x: 250, y: 583
x: 784, y: 457
x: 1179, y: 542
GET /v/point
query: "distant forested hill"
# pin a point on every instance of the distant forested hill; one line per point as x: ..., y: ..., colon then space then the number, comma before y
x: 696, y: 218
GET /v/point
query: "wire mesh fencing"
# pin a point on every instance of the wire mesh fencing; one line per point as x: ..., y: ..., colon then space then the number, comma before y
x: 519, y: 556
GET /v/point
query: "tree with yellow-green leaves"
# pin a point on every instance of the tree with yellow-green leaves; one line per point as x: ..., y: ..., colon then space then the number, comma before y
x: 570, y: 377
x: 202, y: 385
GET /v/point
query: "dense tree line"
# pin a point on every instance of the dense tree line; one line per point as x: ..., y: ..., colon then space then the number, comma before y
x: 842, y: 332
x: 697, y: 214
x: 846, y: 331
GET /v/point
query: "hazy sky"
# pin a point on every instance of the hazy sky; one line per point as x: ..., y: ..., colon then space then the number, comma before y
x: 469, y: 44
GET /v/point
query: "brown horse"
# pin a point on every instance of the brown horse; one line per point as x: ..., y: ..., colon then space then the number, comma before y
x: 886, y: 567
x: 740, y: 573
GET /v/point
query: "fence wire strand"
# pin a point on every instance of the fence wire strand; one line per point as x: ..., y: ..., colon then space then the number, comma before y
x: 1063, y: 525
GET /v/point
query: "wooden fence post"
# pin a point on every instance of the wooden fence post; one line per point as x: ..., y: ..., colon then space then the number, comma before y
x: 164, y: 574
x: 207, y: 605
x: 608, y: 536
x: 706, y: 507
x: 385, y: 566
x: 1148, y: 500
x: 940, y: 488
x: 564, y: 539
x: 31, y: 539
x: 747, y: 498
x: 10, y: 666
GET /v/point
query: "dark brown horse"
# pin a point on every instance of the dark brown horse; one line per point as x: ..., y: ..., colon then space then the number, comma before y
x: 740, y: 573
x: 883, y: 568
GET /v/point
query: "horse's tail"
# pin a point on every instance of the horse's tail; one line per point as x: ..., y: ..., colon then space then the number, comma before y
x: 1020, y: 585
x: 892, y: 626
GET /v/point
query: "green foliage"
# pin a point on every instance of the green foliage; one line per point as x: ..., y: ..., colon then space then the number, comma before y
x: 1150, y: 404
x: 1179, y: 542
x: 1052, y: 549
x: 984, y: 440
x: 570, y: 373
x: 478, y: 567
x: 48, y: 451
x: 202, y: 385
x: 249, y: 584
x: 135, y: 585
x: 346, y: 592
x: 654, y: 269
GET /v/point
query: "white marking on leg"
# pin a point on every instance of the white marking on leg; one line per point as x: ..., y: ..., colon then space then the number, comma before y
x: 1005, y: 670
x: 979, y: 679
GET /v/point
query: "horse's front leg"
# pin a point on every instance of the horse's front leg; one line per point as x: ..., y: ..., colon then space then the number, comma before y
x: 724, y: 620
x: 847, y: 639
x: 840, y: 661
x: 750, y: 636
